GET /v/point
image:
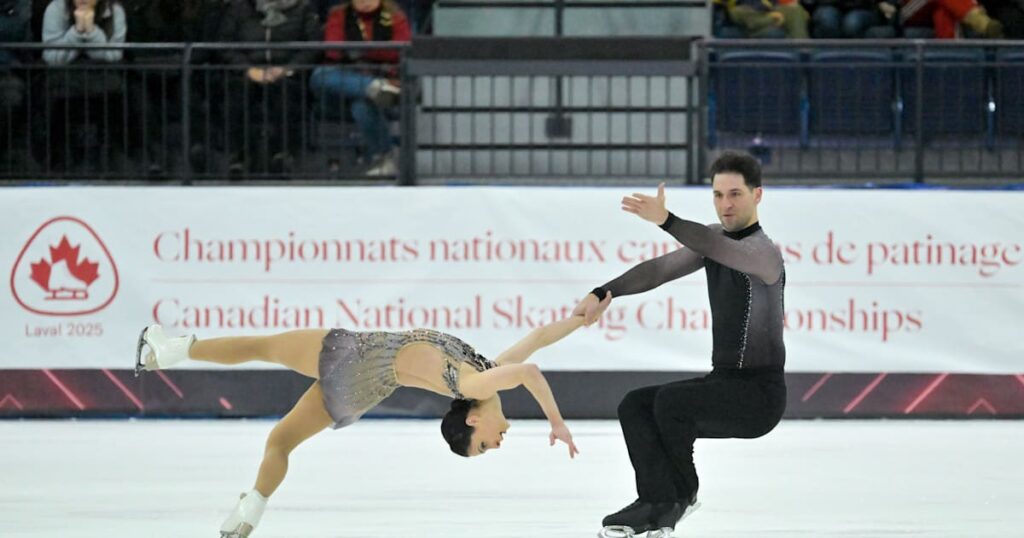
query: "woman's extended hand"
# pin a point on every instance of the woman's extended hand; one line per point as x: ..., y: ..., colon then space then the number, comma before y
x: 561, y: 432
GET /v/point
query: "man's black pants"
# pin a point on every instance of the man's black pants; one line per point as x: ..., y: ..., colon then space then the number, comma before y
x: 661, y: 423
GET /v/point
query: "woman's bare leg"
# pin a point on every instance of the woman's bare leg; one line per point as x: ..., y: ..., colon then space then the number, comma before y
x: 298, y: 350
x: 306, y: 418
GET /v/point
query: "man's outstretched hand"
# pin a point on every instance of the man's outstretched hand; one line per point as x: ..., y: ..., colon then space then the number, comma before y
x: 649, y: 208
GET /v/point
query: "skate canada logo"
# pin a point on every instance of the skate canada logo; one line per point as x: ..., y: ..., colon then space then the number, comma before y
x: 64, y: 269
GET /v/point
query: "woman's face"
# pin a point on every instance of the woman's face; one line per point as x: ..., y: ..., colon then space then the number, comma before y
x: 85, y: 4
x: 366, y: 6
x: 489, y: 425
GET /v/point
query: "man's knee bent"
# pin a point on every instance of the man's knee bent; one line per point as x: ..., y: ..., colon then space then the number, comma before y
x: 635, y: 402
x: 669, y: 407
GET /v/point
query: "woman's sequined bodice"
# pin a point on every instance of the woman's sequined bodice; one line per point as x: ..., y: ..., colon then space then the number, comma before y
x: 455, y: 351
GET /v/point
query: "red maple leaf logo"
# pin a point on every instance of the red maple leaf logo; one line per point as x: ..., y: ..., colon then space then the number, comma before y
x: 41, y: 274
x: 82, y: 274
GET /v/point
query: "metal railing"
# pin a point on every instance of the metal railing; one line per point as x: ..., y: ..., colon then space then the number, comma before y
x: 530, y: 109
x: 623, y: 112
x: 896, y: 110
x: 560, y: 7
x: 546, y: 108
x: 186, y: 120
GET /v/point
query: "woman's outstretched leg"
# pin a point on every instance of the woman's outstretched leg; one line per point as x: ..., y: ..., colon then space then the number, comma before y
x: 297, y: 350
x: 307, y: 418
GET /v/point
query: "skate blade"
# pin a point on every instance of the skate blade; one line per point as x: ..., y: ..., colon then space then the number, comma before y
x: 139, y: 365
x: 689, y: 510
x: 243, y: 530
x: 616, y: 531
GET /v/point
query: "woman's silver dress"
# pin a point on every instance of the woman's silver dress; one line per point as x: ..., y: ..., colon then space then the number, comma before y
x: 357, y: 369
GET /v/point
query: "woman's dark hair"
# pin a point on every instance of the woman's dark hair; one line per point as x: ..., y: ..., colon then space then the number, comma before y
x: 454, y: 428
x: 738, y: 162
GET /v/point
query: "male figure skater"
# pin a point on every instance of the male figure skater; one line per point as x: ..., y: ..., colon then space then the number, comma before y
x: 744, y: 396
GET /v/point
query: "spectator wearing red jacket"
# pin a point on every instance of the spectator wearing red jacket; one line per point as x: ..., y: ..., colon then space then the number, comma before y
x: 364, y: 80
x: 947, y: 15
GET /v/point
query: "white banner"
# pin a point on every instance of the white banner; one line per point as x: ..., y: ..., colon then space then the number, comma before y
x: 877, y: 280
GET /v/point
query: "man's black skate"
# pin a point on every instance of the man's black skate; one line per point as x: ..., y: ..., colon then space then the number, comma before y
x: 658, y: 520
x: 628, y: 522
x: 666, y: 516
x: 688, y: 506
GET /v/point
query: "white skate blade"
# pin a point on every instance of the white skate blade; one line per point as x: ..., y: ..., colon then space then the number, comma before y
x: 616, y: 531
x: 139, y: 365
x: 689, y: 510
x: 242, y: 531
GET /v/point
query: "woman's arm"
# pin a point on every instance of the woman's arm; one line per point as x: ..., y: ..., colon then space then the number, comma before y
x: 486, y: 384
x: 538, y: 338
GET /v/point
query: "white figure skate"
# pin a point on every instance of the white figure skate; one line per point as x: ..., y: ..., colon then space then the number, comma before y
x: 163, y: 351
x: 246, y: 515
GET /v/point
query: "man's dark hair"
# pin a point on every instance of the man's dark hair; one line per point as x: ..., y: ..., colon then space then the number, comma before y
x: 738, y: 162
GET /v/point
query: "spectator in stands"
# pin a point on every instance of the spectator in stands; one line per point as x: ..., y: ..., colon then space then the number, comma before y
x: 834, y: 19
x: 83, y: 21
x: 157, y: 78
x: 945, y: 16
x: 721, y: 26
x: 765, y: 18
x: 365, y: 80
x: 166, y: 21
x: 1008, y: 12
x: 418, y: 12
x: 266, y: 100
x: 84, y: 101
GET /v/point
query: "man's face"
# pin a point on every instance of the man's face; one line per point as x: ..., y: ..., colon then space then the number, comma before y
x: 735, y: 203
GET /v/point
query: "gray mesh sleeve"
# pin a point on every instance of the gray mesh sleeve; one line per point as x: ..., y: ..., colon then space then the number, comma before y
x: 753, y: 257
x: 655, y: 272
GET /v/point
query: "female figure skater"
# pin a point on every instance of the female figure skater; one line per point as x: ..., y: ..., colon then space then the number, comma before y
x: 354, y: 371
